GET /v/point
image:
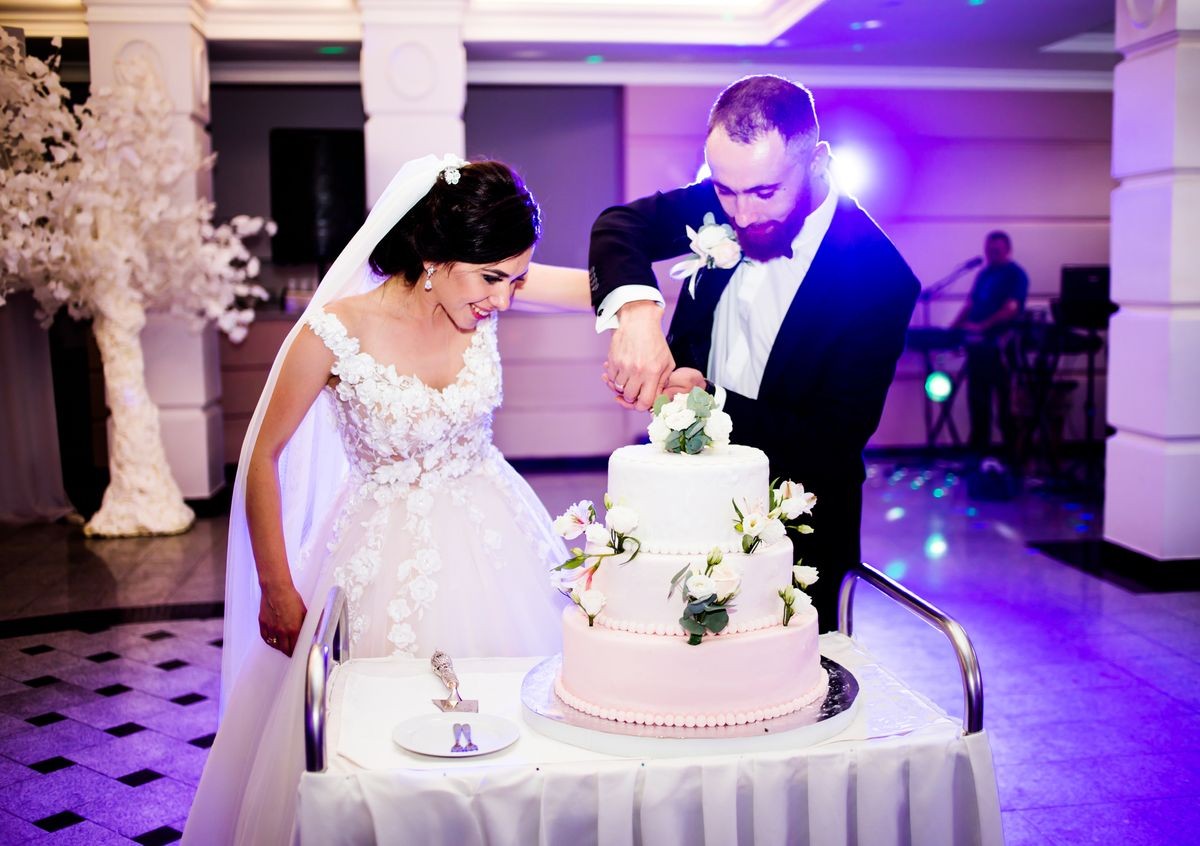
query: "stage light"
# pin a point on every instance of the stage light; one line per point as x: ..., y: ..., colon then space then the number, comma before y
x: 894, y: 514
x: 850, y: 169
x: 938, y: 386
x: 935, y: 546
x: 331, y: 50
x: 896, y: 569
x: 594, y: 59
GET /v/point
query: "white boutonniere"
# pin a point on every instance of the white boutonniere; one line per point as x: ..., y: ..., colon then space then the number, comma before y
x: 713, y: 245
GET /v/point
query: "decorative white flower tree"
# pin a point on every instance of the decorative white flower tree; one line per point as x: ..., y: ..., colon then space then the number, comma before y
x: 90, y: 219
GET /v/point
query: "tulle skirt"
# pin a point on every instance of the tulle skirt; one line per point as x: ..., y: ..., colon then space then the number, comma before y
x: 464, y: 569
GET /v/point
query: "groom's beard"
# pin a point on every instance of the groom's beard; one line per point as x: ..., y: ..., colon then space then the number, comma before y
x: 773, y: 238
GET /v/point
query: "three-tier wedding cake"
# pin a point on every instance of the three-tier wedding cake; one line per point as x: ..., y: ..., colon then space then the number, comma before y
x: 686, y: 611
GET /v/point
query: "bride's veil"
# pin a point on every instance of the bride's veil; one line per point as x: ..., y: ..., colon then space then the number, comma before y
x: 314, y: 462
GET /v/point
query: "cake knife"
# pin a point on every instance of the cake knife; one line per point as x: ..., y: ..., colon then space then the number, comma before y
x: 444, y: 668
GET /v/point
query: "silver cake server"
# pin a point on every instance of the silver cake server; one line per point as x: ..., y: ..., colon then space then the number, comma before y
x: 444, y: 668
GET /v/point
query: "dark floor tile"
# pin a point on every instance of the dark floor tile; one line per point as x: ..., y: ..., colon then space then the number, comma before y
x: 103, y: 657
x: 161, y: 634
x: 124, y: 729
x: 204, y: 742
x: 29, y: 702
x: 189, y: 699
x: 159, y: 836
x: 137, y: 779
x: 113, y: 690
x: 59, y: 821
x: 41, y: 681
x: 173, y: 664
x: 219, y: 642
x: 51, y: 765
x: 49, y: 718
x: 39, y: 649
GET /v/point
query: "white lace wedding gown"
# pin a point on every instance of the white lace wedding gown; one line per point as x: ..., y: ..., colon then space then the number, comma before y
x: 436, y: 540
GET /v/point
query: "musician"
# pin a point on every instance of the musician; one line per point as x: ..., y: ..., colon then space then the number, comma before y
x: 996, y: 300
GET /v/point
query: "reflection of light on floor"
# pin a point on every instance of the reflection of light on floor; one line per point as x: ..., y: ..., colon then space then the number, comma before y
x: 1008, y: 532
x: 935, y: 546
x: 894, y: 514
x: 896, y: 569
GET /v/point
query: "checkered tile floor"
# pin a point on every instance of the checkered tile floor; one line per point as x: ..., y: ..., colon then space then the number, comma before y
x: 103, y: 734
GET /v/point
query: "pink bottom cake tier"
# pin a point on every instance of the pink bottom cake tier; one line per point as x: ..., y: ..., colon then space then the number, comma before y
x: 725, y: 680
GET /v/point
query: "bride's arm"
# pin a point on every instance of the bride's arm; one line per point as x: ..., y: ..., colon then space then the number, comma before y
x: 304, y: 372
x: 547, y: 287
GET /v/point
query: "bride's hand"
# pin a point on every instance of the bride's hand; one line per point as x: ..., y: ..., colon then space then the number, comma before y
x: 280, y: 616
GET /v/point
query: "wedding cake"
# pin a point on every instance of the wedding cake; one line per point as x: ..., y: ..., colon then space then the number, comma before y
x: 686, y: 611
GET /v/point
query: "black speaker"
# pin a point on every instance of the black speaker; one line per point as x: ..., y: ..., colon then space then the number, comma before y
x: 1083, y: 301
x: 318, y: 193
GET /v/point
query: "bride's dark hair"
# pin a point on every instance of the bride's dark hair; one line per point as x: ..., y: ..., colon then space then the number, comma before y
x: 487, y: 216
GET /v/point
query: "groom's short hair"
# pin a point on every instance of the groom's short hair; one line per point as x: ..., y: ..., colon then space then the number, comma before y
x: 755, y: 105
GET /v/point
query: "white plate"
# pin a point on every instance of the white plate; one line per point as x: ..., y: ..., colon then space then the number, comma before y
x: 433, y: 734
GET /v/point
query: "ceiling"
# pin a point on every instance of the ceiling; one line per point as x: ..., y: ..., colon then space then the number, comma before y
x: 925, y: 33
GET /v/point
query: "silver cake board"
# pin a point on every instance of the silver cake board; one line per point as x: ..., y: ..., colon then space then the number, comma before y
x: 822, y: 719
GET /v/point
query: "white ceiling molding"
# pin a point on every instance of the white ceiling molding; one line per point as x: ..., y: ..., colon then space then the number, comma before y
x: 830, y: 76
x: 633, y: 73
x: 283, y: 20
x: 633, y: 21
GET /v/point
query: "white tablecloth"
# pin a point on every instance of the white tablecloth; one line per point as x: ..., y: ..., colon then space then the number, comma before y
x: 901, y: 773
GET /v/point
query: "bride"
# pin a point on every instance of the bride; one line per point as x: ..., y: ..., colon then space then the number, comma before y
x: 369, y: 464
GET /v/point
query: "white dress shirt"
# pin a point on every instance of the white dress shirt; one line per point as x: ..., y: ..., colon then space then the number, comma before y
x: 754, y: 303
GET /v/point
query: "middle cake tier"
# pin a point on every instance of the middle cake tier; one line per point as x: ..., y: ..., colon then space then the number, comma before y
x: 637, y: 600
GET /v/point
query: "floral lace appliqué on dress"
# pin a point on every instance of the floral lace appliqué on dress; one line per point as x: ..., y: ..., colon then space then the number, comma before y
x: 406, y: 443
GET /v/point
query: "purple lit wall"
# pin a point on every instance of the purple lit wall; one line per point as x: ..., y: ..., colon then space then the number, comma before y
x: 945, y: 167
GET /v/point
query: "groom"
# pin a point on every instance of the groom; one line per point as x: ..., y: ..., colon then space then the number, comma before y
x: 799, y: 340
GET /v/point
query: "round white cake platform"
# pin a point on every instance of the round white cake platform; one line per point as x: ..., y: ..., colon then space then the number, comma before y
x: 824, y: 718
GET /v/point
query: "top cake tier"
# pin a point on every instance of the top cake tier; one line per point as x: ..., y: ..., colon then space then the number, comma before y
x: 684, y: 503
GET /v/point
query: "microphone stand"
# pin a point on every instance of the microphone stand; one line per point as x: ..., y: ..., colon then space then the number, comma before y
x: 932, y: 292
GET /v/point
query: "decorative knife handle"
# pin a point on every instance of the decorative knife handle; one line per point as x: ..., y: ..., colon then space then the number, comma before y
x: 444, y: 668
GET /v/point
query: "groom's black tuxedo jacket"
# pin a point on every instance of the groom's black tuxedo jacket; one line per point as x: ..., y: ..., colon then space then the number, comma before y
x: 828, y: 373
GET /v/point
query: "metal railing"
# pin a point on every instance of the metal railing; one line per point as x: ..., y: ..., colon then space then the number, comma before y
x: 968, y: 661
x: 330, y: 641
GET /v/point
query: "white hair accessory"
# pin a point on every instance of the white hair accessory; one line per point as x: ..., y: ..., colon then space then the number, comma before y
x: 450, y: 168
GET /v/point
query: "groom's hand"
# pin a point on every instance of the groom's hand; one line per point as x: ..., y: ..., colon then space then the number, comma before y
x: 639, y: 360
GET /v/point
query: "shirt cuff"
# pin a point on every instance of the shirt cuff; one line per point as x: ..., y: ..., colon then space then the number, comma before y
x: 606, y: 315
x: 719, y: 395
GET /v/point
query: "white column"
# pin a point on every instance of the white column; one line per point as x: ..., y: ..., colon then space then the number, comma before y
x: 1153, y: 462
x: 414, y: 83
x: 183, y: 371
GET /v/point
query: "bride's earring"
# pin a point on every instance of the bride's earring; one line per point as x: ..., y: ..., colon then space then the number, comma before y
x: 429, y: 278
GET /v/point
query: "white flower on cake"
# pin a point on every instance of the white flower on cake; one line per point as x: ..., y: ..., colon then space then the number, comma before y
x: 601, y: 542
x: 681, y: 423
x: 700, y: 586
x: 621, y: 518
x: 804, y: 575
x: 719, y: 427
x: 794, y: 500
x: 571, y: 523
x: 772, y: 531
x: 754, y: 523
x: 676, y: 414
x: 590, y: 600
x: 727, y: 578
x: 659, y: 431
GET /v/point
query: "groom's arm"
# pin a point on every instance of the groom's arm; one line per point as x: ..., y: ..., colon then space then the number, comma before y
x: 626, y: 240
